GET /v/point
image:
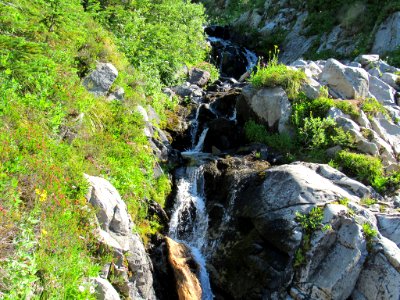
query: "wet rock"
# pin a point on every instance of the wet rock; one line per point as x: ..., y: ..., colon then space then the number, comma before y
x: 185, y: 270
x: 100, y: 80
x: 347, y: 82
x: 222, y: 134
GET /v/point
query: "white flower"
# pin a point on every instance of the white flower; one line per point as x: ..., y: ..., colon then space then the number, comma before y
x: 92, y: 290
x: 81, y: 288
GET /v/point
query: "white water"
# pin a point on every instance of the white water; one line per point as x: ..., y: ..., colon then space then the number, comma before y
x: 189, y: 221
x: 191, y: 228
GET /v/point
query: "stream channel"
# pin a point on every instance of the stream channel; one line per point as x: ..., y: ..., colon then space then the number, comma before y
x: 189, y: 219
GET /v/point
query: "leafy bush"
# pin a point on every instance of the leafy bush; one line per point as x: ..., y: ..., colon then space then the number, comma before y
x: 373, y: 107
x: 312, y: 221
x: 258, y: 133
x: 365, y: 168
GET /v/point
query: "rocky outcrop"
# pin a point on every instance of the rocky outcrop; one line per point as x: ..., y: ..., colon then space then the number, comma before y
x: 185, y: 270
x: 99, y: 81
x: 105, y: 290
x: 131, y: 267
x: 199, y: 77
x: 264, y: 239
x: 270, y: 105
x: 346, y: 82
x: 387, y: 37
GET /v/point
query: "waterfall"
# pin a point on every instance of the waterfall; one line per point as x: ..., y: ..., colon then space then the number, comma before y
x: 189, y: 220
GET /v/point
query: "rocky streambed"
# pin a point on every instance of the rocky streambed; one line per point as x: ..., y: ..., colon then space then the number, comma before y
x: 240, y: 223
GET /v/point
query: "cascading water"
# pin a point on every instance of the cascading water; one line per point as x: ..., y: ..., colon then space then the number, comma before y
x: 189, y: 221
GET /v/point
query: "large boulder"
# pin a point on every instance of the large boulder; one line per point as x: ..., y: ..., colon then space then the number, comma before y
x: 387, y: 38
x: 346, y: 82
x: 382, y: 91
x: 261, y: 236
x: 99, y: 81
x: 131, y: 264
x: 199, y: 77
x: 389, y: 227
x: 105, y: 290
x: 271, y: 106
x: 380, y: 277
x: 185, y: 269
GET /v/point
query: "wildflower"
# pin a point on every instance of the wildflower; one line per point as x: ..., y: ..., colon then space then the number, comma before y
x: 92, y: 290
x: 81, y: 288
x: 44, y: 232
x: 41, y: 194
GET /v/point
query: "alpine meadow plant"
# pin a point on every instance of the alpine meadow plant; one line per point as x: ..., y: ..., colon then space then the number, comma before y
x: 278, y: 74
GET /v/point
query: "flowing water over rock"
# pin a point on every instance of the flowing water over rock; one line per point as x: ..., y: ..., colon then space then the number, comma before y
x: 189, y: 221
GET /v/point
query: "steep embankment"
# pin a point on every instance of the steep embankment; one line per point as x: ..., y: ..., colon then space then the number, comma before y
x: 313, y: 29
x: 53, y: 130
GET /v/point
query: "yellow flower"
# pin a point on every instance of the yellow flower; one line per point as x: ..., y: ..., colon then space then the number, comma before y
x: 44, y: 232
x: 42, y: 195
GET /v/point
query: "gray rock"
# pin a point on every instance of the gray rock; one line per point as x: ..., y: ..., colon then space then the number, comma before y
x: 347, y: 82
x: 387, y: 37
x: 338, y: 41
x: 296, y: 44
x: 383, y: 92
x: 380, y: 277
x: 391, y: 79
x: 363, y: 120
x: 335, y: 113
x: 105, y: 290
x: 116, y: 232
x: 335, y: 260
x: 199, y: 77
x: 271, y: 105
x: 312, y: 89
x: 389, y: 227
x: 375, y: 72
x: 100, y: 80
x: 347, y: 124
x: 388, y: 131
x: 354, y: 64
x: 367, y: 59
x: 142, y: 111
x: 118, y: 94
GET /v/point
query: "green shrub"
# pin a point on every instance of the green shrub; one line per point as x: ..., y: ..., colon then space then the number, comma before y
x: 369, y: 233
x: 366, y: 168
x: 368, y: 201
x: 258, y: 133
x: 373, y: 107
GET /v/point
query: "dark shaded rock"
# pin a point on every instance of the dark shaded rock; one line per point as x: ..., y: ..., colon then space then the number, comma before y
x: 222, y: 134
x: 222, y: 32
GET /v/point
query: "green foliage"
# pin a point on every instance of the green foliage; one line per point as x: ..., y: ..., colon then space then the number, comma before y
x: 258, y: 133
x: 344, y: 201
x: 365, y: 168
x: 369, y: 233
x: 54, y: 130
x: 276, y: 74
x: 368, y: 201
x: 312, y: 221
x: 373, y: 107
x: 157, y: 37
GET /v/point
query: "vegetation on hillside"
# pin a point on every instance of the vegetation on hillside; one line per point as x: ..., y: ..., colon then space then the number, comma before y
x: 53, y: 130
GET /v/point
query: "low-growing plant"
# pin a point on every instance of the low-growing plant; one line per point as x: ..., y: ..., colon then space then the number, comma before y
x: 364, y: 167
x: 258, y: 133
x: 369, y: 233
x: 277, y: 74
x: 312, y: 221
x: 368, y: 201
x: 373, y: 107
